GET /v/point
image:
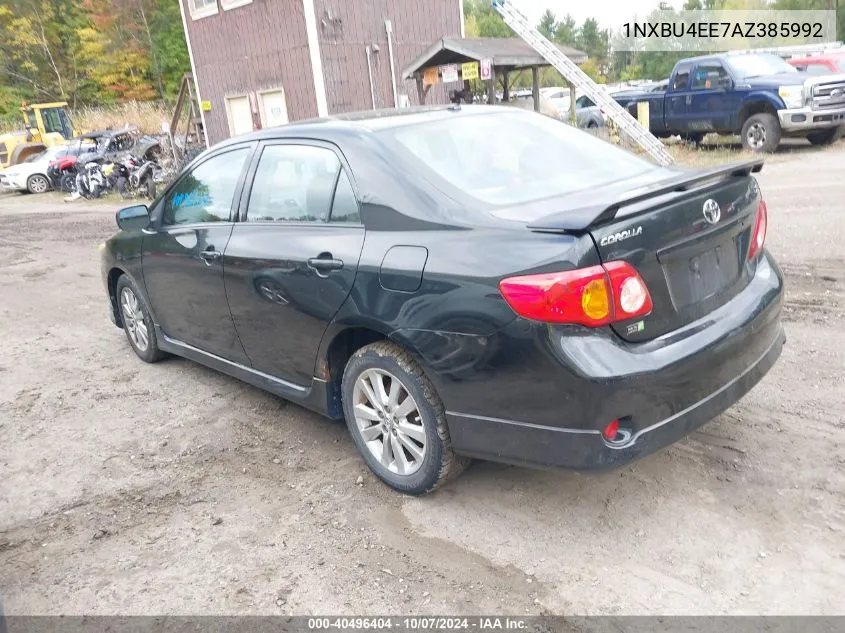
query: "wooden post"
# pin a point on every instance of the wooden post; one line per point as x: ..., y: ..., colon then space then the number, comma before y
x: 573, y: 119
x: 506, y: 91
x: 491, y: 87
x: 642, y: 114
x: 535, y: 81
x: 420, y: 91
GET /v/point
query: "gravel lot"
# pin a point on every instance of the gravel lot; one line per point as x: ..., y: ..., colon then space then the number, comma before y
x: 132, y: 488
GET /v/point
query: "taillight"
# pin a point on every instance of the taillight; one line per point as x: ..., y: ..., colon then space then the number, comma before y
x: 758, y: 235
x: 593, y: 296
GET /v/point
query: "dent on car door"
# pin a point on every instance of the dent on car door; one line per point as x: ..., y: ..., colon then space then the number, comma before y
x: 292, y: 258
x: 183, y: 272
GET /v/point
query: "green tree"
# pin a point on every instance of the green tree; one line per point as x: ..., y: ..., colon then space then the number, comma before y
x: 486, y: 21
x: 548, y: 24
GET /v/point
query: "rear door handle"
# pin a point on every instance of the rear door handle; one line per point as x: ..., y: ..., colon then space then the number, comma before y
x: 210, y: 256
x: 325, y: 263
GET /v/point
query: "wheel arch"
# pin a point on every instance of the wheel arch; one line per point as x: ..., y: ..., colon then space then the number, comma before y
x: 114, y: 274
x: 757, y: 105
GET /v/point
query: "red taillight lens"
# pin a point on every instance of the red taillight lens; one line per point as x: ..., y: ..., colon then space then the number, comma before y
x: 592, y: 296
x: 611, y: 430
x: 758, y: 235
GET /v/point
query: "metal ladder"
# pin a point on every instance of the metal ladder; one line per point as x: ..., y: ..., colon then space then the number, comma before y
x: 578, y: 78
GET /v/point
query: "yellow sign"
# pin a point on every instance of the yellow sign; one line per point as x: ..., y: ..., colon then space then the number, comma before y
x: 431, y: 77
x: 469, y: 70
x: 206, y: 106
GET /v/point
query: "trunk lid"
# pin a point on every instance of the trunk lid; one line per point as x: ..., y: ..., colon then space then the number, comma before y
x: 687, y: 236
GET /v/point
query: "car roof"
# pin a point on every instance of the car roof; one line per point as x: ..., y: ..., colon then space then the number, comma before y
x: 366, y: 121
x: 827, y: 57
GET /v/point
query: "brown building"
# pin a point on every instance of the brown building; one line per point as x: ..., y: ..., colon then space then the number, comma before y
x: 260, y: 63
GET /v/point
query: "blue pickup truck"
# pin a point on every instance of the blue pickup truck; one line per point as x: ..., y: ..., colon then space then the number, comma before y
x: 756, y: 95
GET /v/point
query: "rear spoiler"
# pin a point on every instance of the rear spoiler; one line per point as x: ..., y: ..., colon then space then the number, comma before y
x: 583, y: 218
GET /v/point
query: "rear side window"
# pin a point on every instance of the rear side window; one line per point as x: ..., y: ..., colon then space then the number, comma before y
x: 345, y: 205
x: 293, y: 183
x: 205, y: 193
x: 510, y: 157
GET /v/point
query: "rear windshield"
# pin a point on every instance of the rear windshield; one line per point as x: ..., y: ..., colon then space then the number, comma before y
x: 511, y: 157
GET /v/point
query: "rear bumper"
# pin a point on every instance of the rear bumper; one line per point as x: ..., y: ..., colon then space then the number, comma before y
x: 801, y: 119
x: 547, y: 407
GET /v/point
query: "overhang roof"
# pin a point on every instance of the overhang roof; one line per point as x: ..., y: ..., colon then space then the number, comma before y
x: 510, y: 53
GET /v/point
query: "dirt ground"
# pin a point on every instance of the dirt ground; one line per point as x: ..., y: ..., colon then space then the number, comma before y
x: 134, y: 489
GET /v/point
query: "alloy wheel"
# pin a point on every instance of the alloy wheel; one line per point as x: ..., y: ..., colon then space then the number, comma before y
x: 38, y: 184
x: 388, y: 418
x: 756, y: 136
x: 133, y: 319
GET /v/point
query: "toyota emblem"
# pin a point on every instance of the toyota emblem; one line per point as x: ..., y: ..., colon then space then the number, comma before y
x: 711, y: 211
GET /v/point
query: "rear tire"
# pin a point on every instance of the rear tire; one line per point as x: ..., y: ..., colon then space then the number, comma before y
x: 693, y: 137
x: 411, y: 420
x: 826, y: 137
x: 137, y: 322
x: 761, y: 133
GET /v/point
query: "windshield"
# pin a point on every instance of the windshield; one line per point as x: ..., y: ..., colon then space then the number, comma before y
x: 511, y: 157
x: 747, y: 66
x: 35, y: 157
x: 841, y: 65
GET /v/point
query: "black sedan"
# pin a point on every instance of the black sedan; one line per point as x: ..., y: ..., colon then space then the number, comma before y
x: 459, y: 282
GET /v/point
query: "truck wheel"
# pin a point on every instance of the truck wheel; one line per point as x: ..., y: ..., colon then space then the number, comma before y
x: 693, y: 137
x: 397, y: 420
x: 825, y: 137
x: 761, y: 133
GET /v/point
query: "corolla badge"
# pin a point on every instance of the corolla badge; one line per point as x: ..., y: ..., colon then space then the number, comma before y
x: 711, y: 211
x: 621, y: 235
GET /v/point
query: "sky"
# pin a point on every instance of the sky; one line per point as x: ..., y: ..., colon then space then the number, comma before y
x: 609, y: 13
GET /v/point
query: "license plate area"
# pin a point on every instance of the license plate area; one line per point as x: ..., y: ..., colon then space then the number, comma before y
x: 695, y: 278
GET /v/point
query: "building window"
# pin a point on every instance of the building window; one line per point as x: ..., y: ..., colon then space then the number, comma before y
x: 233, y: 4
x: 202, y: 8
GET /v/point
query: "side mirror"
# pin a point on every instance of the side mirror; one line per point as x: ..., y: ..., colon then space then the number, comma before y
x: 135, y: 217
x: 726, y: 83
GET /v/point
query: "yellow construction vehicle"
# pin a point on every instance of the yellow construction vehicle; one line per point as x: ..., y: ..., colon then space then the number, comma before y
x: 45, y: 124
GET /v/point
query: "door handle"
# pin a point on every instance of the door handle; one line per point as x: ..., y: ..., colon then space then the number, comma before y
x: 325, y: 262
x: 210, y: 256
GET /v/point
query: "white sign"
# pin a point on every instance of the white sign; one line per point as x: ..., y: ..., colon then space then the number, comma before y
x: 449, y: 73
x: 486, y: 69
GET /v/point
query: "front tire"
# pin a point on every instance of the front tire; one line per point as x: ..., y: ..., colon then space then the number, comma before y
x: 826, y: 137
x: 137, y: 322
x: 37, y: 184
x: 397, y: 420
x: 761, y: 133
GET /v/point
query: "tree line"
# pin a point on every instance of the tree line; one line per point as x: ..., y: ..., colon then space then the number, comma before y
x: 605, y: 64
x: 89, y: 52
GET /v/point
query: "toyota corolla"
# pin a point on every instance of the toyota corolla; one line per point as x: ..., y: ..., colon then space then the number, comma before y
x: 457, y: 283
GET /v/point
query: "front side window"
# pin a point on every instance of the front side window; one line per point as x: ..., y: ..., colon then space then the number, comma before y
x: 52, y: 122
x: 293, y: 183
x: 205, y: 194
x: 708, y: 77
x: 510, y: 157
x: 584, y: 102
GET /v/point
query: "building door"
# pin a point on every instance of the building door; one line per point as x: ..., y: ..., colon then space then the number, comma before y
x: 240, y: 115
x: 274, y: 110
